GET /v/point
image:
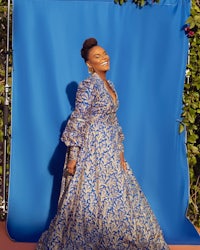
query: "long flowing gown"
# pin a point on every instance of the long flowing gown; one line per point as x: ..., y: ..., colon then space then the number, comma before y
x: 101, y: 206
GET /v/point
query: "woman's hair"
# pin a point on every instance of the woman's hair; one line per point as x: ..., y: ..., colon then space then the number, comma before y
x: 87, y: 45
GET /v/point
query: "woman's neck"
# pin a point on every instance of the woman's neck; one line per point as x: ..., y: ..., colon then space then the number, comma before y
x: 102, y: 75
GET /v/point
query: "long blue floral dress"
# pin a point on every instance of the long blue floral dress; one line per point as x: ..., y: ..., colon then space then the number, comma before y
x: 102, y: 207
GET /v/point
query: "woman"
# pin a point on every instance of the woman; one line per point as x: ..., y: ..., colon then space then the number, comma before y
x: 102, y: 207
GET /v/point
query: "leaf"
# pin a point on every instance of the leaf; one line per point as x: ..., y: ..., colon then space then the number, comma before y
x: 194, y: 149
x: 197, y: 18
x: 181, y: 128
x: 192, y: 162
x: 190, y: 19
x: 192, y: 138
x: 191, y: 118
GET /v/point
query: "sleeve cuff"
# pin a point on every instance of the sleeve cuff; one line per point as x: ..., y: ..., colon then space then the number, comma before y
x: 73, y: 153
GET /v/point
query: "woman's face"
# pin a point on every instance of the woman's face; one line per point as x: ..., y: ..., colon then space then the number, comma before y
x: 98, y: 59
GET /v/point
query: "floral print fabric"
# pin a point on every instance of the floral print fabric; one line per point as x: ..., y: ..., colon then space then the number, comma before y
x: 101, y: 206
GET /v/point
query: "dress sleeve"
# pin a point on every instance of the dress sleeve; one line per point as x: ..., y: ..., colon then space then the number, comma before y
x: 73, y: 153
x: 74, y: 133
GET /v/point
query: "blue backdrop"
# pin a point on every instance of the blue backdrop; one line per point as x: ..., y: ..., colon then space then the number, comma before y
x: 148, y: 50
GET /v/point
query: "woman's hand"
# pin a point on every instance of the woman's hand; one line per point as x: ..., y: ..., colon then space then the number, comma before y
x: 122, y: 160
x: 71, y: 167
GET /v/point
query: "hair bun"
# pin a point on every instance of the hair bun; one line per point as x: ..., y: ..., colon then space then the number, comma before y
x: 87, y: 45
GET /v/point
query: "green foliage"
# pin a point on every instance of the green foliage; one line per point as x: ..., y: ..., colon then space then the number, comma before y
x: 191, y: 113
x: 3, y: 45
x: 139, y: 3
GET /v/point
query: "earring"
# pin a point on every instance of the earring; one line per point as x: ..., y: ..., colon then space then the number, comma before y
x: 90, y: 69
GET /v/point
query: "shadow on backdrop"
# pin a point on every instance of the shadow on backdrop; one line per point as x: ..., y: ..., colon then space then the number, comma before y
x: 58, y: 158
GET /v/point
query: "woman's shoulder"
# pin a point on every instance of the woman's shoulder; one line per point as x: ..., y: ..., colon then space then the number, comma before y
x: 86, y: 86
x: 91, y: 82
x: 86, y: 83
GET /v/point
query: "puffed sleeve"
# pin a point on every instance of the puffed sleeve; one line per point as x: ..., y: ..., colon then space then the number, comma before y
x: 74, y: 133
x: 121, y: 139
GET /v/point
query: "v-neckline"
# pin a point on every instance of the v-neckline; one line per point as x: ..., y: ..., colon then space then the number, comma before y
x: 114, y: 100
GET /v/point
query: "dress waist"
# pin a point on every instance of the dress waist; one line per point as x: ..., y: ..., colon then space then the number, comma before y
x: 109, y: 119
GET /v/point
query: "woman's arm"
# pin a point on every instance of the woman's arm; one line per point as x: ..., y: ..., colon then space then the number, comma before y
x: 74, y: 133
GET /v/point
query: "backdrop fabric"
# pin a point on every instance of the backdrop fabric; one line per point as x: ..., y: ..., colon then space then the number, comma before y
x: 148, y: 50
